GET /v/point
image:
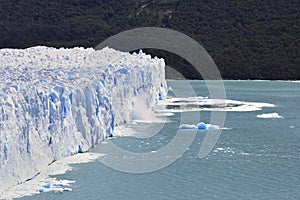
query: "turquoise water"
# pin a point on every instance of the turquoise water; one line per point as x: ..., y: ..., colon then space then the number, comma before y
x: 254, y: 159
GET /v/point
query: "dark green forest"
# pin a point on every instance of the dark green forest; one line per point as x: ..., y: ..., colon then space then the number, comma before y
x: 248, y: 39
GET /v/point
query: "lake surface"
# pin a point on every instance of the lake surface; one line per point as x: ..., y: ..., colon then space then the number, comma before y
x: 253, y: 158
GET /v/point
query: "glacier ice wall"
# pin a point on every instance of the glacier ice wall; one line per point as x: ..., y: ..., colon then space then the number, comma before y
x: 58, y: 102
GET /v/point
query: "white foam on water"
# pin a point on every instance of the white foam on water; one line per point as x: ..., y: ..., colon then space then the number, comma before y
x: 124, y: 131
x: 153, y: 120
x: 232, y: 151
x: 166, y: 114
x: 140, y: 129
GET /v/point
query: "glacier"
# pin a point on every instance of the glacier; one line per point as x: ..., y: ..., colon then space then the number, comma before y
x: 58, y: 102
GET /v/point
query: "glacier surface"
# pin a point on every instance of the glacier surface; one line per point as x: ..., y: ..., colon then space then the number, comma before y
x: 58, y: 102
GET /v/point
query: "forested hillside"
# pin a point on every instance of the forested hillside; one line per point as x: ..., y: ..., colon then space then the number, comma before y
x: 248, y: 39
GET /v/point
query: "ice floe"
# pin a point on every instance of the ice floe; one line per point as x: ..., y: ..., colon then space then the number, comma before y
x: 269, y: 116
x: 201, y: 126
x: 45, y: 181
x: 205, y: 104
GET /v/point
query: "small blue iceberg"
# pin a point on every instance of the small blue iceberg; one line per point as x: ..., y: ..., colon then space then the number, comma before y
x: 201, y: 126
x: 47, y: 185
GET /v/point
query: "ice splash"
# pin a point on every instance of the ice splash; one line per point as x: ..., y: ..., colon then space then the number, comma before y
x: 142, y: 111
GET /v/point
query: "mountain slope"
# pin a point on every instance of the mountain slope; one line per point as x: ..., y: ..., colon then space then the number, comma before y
x: 247, y: 39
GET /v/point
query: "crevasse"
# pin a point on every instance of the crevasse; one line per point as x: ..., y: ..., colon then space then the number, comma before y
x: 58, y: 102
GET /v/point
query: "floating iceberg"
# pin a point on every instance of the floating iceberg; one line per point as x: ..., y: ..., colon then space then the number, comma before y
x: 188, y: 126
x: 200, y: 126
x: 269, y: 115
x: 58, y: 102
x: 205, y: 104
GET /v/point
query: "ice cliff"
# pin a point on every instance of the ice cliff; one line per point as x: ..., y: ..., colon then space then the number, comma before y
x: 58, y: 102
